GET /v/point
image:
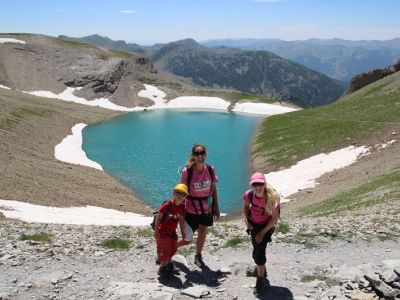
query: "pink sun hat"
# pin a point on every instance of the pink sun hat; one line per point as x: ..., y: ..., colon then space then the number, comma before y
x: 257, y: 177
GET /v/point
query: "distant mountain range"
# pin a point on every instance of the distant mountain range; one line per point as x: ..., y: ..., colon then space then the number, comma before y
x: 336, y: 58
x: 258, y: 72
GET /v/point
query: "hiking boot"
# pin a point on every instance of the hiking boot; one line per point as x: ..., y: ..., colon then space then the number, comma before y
x: 163, y: 271
x: 172, y: 269
x: 198, y: 261
x: 251, y: 272
x: 259, y: 285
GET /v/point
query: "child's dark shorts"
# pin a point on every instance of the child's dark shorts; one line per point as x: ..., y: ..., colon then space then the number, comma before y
x: 195, y: 220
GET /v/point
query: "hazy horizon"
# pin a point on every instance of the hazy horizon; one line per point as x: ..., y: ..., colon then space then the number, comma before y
x: 156, y: 21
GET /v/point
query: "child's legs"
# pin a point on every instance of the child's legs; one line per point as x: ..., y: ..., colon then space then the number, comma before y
x: 201, y: 238
x: 259, y: 250
x: 174, y: 247
x: 164, y: 250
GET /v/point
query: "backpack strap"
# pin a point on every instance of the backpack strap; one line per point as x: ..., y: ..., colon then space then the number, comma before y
x: 166, y: 212
x: 250, y: 197
x: 211, y: 172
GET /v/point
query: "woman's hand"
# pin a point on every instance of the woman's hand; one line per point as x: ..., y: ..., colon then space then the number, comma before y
x: 248, y: 224
x: 156, y: 234
x: 217, y: 214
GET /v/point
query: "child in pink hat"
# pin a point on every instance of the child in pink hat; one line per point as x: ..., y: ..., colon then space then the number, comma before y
x: 261, y: 210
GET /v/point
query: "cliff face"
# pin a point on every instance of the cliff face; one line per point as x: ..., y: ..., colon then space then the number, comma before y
x: 49, y: 64
x: 364, y: 79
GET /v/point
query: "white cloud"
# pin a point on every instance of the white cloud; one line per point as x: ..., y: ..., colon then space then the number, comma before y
x: 127, y: 11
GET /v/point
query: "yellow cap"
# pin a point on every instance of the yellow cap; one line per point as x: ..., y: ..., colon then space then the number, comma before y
x: 181, y: 188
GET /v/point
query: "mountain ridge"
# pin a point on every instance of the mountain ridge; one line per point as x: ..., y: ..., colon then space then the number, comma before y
x: 258, y: 72
x: 336, y: 58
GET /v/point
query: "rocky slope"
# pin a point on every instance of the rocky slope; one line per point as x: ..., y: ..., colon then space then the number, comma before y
x: 312, y: 259
x: 50, y: 64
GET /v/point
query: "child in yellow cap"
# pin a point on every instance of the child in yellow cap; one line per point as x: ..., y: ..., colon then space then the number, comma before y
x: 169, y: 215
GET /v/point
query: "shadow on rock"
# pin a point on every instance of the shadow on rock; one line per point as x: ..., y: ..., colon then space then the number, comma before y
x: 275, y: 292
x: 171, y: 281
x: 204, y: 276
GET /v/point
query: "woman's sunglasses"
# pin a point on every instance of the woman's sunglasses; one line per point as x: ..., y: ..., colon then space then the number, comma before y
x: 257, y: 184
x: 198, y: 153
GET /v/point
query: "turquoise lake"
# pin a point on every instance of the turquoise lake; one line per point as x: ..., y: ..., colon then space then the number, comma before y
x: 147, y: 150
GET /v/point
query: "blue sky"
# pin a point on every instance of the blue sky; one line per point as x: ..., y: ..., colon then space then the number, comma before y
x: 150, y: 21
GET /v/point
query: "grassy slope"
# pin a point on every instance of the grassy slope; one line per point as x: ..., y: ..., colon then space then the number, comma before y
x: 285, y: 139
x: 371, y: 111
x: 384, y: 189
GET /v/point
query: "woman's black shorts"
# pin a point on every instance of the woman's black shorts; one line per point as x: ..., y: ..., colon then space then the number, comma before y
x: 195, y: 220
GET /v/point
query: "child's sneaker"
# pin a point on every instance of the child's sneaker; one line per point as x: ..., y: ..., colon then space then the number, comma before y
x: 163, y: 271
x: 251, y: 271
x: 171, y: 268
x: 198, y: 261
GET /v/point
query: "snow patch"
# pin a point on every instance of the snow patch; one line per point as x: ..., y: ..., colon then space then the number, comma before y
x: 261, y: 108
x: 88, y: 215
x: 384, y: 145
x: 9, y: 40
x: 4, y: 87
x: 194, y: 102
x: 305, y: 173
x: 154, y: 94
x: 70, y: 149
x: 158, y: 97
x: 68, y: 95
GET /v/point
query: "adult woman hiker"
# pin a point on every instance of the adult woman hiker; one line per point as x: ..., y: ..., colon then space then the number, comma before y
x: 202, y: 203
x: 261, y: 210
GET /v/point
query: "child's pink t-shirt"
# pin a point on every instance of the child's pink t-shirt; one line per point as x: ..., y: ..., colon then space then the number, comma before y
x: 257, y: 216
x: 200, y: 186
